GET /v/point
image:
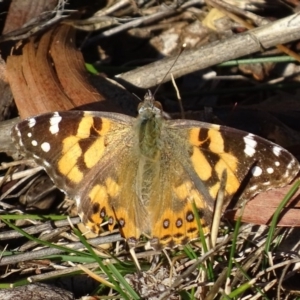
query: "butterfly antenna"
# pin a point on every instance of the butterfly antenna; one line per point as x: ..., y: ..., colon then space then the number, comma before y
x: 178, y: 97
x: 167, y: 73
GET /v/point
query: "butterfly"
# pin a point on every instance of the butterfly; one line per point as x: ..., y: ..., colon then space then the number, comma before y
x: 145, y: 173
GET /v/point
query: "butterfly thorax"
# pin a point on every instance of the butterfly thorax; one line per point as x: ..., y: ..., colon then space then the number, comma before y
x: 149, y: 126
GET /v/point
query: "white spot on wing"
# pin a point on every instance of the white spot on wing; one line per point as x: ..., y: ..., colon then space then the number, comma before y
x: 267, y: 183
x: 277, y: 150
x: 29, y: 134
x: 277, y: 163
x: 291, y: 164
x: 256, y: 171
x: 250, y: 145
x: 46, y: 164
x: 45, y: 147
x: 270, y: 170
x: 54, y: 121
x: 253, y: 188
x: 34, y: 143
x: 18, y: 132
x: 31, y: 122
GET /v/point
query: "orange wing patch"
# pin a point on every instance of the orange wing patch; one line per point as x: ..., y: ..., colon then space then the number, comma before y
x: 105, y: 205
x: 211, y: 140
x: 67, y: 164
x: 91, y: 150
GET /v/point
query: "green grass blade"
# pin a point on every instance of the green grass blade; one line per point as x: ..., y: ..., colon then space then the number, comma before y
x: 123, y: 282
x: 210, y: 272
x: 105, y: 268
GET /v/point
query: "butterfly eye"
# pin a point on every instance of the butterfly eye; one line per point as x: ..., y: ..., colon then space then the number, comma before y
x: 157, y: 105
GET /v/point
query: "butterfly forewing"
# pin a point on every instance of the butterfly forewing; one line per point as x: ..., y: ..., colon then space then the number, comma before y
x: 250, y: 160
x: 69, y: 144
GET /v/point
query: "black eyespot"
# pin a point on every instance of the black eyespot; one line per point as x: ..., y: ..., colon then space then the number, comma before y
x: 103, y: 213
x: 110, y: 221
x: 166, y: 223
x: 179, y: 223
x: 122, y: 222
x: 190, y: 216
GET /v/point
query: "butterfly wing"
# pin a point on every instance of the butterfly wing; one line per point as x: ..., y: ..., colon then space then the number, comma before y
x: 171, y: 208
x: 252, y: 163
x: 200, y: 153
x: 89, y: 156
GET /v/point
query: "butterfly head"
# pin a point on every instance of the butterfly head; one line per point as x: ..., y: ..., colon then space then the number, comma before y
x: 150, y: 108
